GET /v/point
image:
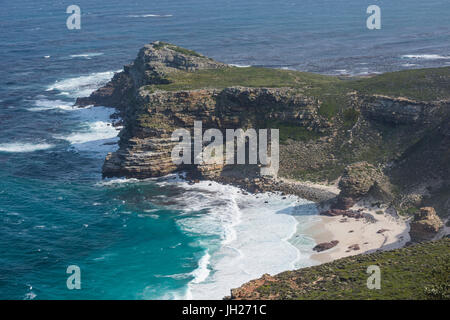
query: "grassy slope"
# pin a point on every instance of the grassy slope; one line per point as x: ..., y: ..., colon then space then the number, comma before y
x: 331, y: 91
x: 420, y: 84
x: 417, y: 272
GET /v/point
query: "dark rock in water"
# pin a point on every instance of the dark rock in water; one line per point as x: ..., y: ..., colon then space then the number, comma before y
x: 426, y: 224
x: 382, y: 230
x: 325, y: 246
x: 354, y: 247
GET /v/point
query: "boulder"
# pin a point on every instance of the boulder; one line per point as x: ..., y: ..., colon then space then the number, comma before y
x: 325, y: 246
x: 359, y: 180
x: 426, y: 224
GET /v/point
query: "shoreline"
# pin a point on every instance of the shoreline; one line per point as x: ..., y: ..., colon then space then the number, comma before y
x: 386, y: 232
x: 383, y: 231
x: 359, y: 236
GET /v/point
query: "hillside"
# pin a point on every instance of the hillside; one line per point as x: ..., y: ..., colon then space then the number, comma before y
x: 397, y: 122
x: 421, y: 272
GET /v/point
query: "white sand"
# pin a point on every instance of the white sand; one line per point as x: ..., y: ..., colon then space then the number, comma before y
x: 350, y: 231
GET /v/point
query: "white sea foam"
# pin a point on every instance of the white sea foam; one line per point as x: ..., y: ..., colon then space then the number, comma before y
x: 409, y: 65
x: 253, y: 235
x: 240, y: 65
x: 24, y: 147
x: 82, y: 86
x: 202, y: 272
x: 95, y: 133
x: 87, y: 55
x: 425, y: 56
x: 45, y: 104
x: 150, y: 15
x: 116, y: 181
x: 342, y: 71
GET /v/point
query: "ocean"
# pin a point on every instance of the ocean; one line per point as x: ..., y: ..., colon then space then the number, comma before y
x: 163, y: 238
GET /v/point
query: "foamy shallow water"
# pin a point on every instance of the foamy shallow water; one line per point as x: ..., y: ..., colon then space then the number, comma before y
x: 241, y: 236
x: 258, y: 234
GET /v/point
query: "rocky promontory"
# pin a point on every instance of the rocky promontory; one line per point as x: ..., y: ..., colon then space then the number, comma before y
x: 385, y: 137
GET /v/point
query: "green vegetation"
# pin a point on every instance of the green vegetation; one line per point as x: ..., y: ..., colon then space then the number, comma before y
x: 417, y: 272
x: 421, y: 84
x: 247, y: 77
x: 350, y: 117
x: 173, y: 47
x: 293, y: 132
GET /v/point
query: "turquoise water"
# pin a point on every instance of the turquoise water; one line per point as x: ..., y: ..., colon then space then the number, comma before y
x: 161, y: 239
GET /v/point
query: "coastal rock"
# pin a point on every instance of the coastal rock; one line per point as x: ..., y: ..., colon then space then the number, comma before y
x: 359, y: 180
x: 426, y: 224
x: 155, y: 61
x: 344, y: 203
x: 168, y: 87
x: 399, y: 111
x: 344, y: 213
x: 325, y: 246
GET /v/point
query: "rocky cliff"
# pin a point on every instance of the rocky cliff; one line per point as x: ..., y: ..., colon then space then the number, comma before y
x: 397, y: 124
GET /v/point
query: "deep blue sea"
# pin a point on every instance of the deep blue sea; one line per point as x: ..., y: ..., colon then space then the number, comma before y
x: 162, y: 238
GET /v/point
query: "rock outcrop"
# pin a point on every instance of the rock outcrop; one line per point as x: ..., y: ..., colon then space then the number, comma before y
x: 360, y: 180
x: 426, y: 224
x: 153, y: 64
x: 327, y: 127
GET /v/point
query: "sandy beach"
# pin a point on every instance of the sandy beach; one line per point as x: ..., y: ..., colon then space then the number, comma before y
x: 386, y: 231
x: 358, y: 236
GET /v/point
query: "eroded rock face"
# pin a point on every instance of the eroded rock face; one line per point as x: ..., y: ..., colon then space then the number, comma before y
x: 146, y: 145
x: 152, y: 65
x: 359, y: 180
x: 400, y: 110
x: 426, y: 224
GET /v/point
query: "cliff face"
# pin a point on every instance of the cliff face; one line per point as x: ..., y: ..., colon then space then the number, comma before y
x: 325, y: 123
